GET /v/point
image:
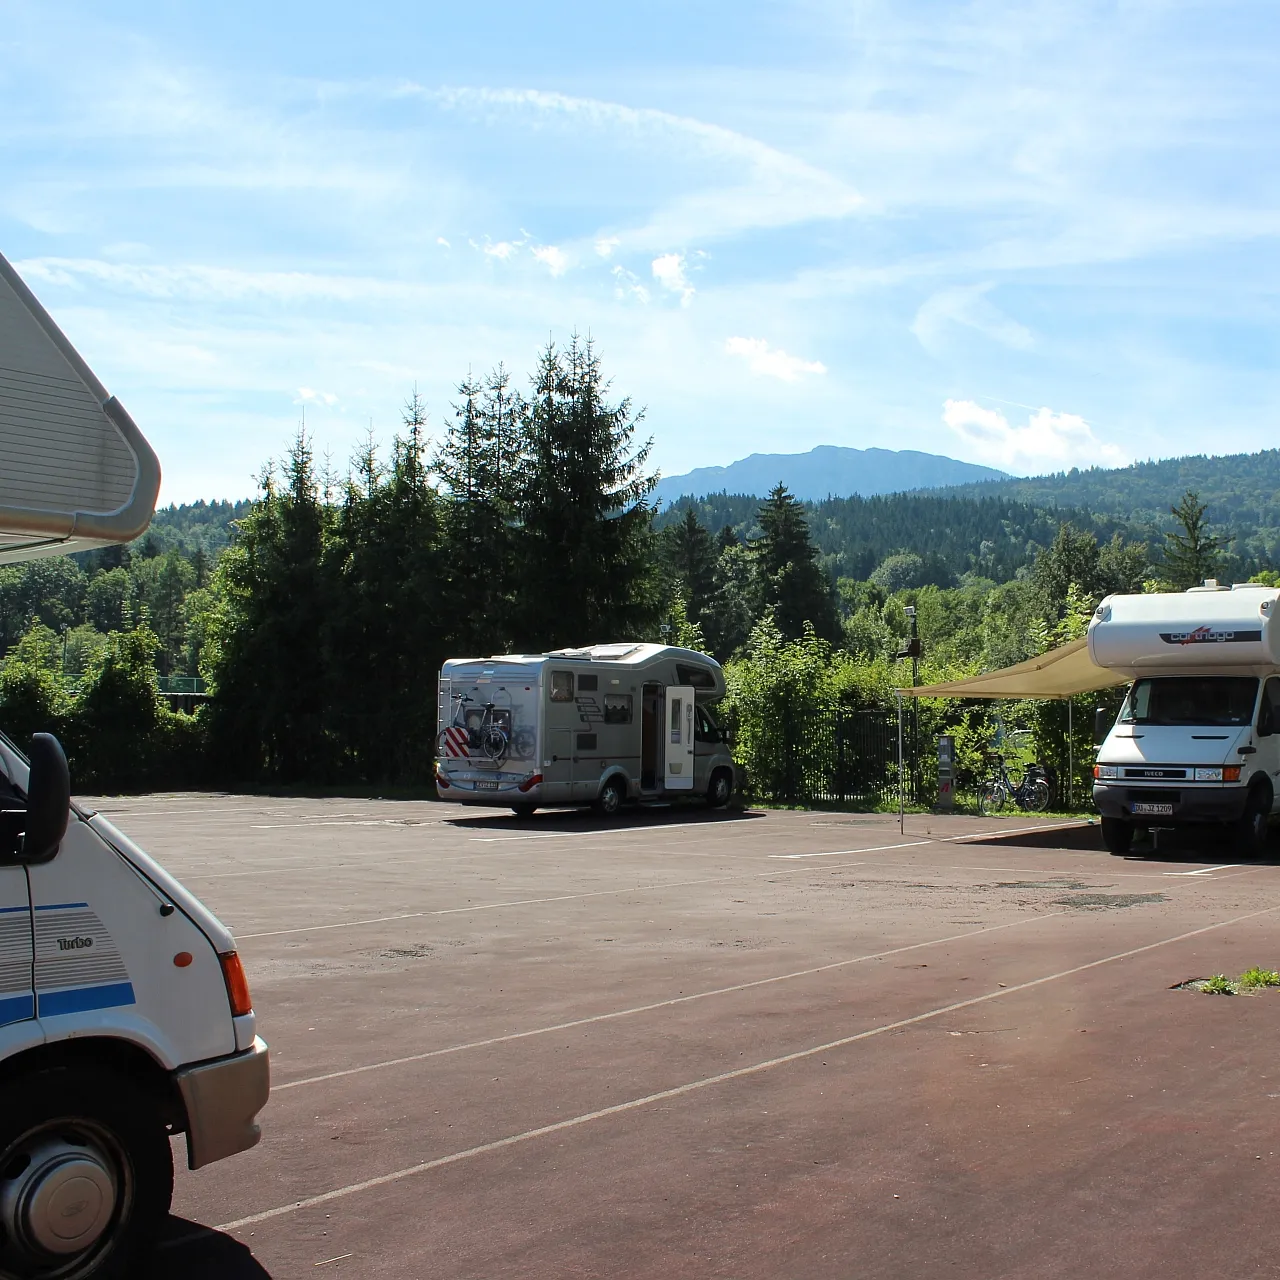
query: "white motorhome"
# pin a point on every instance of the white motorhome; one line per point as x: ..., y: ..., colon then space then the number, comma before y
x: 125, y: 1017
x: 1198, y: 737
x: 600, y: 726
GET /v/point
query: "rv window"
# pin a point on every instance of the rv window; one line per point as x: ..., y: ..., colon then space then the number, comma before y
x: 617, y: 708
x: 699, y: 677
x: 588, y: 684
x: 705, y: 727
x: 562, y: 686
x: 586, y: 742
x: 1191, y: 700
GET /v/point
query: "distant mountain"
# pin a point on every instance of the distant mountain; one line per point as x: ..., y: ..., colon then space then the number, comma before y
x: 828, y: 471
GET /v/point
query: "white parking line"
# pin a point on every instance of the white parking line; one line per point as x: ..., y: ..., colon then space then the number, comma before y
x: 707, y: 1082
x: 1204, y: 871
x: 840, y: 853
x: 658, y: 1004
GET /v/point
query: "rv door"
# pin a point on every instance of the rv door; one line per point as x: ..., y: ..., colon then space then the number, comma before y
x: 679, y: 738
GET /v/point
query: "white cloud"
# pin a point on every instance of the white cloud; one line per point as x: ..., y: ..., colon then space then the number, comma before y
x: 772, y: 362
x: 668, y: 271
x: 443, y: 241
x: 308, y: 395
x: 1048, y: 441
x: 970, y: 308
x: 627, y: 285
x: 606, y: 245
x: 551, y: 257
x: 502, y: 250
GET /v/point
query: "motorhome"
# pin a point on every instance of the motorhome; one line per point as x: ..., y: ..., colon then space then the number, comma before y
x: 125, y: 1017
x: 1197, y: 739
x: 602, y: 726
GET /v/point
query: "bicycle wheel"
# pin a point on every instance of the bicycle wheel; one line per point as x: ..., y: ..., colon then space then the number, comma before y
x: 992, y: 797
x: 1036, y: 795
x: 494, y: 743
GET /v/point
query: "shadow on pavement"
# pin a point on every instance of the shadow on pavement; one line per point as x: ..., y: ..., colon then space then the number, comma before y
x: 585, y: 820
x: 188, y: 1251
x: 1207, y: 844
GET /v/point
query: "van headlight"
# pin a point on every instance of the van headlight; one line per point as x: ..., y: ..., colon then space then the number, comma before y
x: 1208, y: 775
x: 1105, y: 771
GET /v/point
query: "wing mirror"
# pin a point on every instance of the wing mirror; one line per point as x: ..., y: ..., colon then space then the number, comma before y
x: 1102, y: 722
x: 48, y: 799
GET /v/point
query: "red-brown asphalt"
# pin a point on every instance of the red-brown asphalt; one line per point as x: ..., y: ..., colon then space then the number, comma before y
x: 763, y: 1045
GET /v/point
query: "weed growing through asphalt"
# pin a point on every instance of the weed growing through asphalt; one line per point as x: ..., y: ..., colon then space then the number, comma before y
x: 1256, y: 977
x: 1219, y: 985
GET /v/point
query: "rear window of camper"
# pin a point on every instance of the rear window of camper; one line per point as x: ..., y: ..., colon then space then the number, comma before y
x: 1191, y: 700
x: 562, y: 686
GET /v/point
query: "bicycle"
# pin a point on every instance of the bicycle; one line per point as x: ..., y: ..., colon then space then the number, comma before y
x: 490, y: 732
x: 1031, y: 792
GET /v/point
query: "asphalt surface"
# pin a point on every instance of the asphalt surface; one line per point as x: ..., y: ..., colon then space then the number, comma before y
x: 741, y: 1045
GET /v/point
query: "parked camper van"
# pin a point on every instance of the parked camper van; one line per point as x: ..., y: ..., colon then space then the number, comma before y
x: 598, y: 726
x: 1198, y: 737
x: 124, y: 1012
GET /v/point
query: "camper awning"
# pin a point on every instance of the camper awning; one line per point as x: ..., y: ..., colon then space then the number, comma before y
x: 1060, y: 673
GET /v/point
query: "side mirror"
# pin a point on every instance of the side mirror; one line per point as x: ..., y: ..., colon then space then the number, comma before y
x: 1102, y: 722
x: 48, y: 799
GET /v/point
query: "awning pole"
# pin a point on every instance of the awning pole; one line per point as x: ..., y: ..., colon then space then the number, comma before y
x: 902, y: 820
x: 1071, y: 759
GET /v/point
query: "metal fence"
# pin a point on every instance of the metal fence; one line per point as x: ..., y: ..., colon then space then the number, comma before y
x: 832, y: 756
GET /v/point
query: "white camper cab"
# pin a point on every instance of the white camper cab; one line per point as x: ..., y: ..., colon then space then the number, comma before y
x: 124, y: 1013
x: 598, y: 726
x: 1198, y: 737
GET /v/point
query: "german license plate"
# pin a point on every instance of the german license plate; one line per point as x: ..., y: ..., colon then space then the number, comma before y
x: 1154, y: 810
x: 486, y: 784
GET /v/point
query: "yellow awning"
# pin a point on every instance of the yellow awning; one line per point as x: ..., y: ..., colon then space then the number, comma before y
x: 1056, y: 674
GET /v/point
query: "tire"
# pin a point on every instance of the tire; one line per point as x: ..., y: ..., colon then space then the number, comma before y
x: 524, y: 810
x: 80, y: 1150
x: 1117, y: 835
x: 1037, y: 796
x: 992, y: 797
x: 1249, y: 831
x: 612, y: 797
x: 720, y: 789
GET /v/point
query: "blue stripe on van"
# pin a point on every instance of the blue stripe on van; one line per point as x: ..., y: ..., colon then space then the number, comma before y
x: 62, y: 906
x: 16, y: 1008
x: 82, y: 999
x: 4, y: 911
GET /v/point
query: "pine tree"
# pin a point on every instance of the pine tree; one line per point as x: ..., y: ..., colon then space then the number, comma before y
x: 1194, y: 554
x: 690, y: 558
x: 786, y: 562
x: 585, y: 552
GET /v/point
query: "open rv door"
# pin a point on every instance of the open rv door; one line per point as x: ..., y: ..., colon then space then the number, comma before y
x: 75, y: 472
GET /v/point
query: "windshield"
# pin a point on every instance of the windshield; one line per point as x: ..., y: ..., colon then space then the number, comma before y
x: 1191, y: 700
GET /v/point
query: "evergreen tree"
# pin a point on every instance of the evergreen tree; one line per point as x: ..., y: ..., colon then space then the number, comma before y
x: 585, y: 554
x: 790, y: 579
x: 1194, y: 554
x: 690, y: 558
x: 270, y: 683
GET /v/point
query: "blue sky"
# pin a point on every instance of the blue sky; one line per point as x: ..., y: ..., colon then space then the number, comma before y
x: 1033, y: 234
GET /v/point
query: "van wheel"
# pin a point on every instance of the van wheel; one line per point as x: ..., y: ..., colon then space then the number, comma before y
x: 1117, y: 835
x: 612, y: 798
x: 720, y: 790
x: 524, y: 810
x: 86, y: 1176
x: 1249, y: 832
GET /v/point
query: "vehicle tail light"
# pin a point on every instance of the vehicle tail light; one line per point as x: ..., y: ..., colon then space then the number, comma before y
x: 533, y: 780
x: 237, y: 984
x: 441, y: 780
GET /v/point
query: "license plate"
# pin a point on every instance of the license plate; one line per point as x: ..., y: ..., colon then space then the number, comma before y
x: 486, y: 785
x: 1154, y: 810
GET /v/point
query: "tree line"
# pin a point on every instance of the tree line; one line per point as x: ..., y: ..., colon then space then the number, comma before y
x: 319, y: 614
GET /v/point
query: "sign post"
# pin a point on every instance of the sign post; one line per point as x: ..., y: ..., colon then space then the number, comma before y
x: 946, y: 772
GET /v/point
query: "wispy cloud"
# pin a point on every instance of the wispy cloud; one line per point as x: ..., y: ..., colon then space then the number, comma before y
x: 627, y: 286
x: 668, y: 271
x: 308, y: 395
x: 1047, y: 441
x: 553, y: 258
x: 772, y: 362
x: 967, y: 307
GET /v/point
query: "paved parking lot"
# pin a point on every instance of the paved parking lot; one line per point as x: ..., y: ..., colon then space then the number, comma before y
x: 747, y: 1045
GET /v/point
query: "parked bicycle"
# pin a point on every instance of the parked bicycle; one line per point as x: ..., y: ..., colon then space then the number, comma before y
x: 1031, y: 792
x: 488, y: 728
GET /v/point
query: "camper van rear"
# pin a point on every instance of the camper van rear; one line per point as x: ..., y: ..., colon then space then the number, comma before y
x: 1198, y: 736
x: 601, y: 725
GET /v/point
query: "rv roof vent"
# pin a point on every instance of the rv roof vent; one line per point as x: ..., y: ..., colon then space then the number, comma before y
x: 1210, y: 584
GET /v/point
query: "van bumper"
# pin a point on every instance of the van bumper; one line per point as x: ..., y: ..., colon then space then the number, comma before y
x: 1201, y: 803
x: 223, y: 1098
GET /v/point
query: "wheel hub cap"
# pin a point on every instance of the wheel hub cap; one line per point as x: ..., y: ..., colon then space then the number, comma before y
x: 63, y: 1200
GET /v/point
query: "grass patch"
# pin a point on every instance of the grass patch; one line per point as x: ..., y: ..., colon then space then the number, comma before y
x: 1218, y: 985
x: 1255, y: 977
